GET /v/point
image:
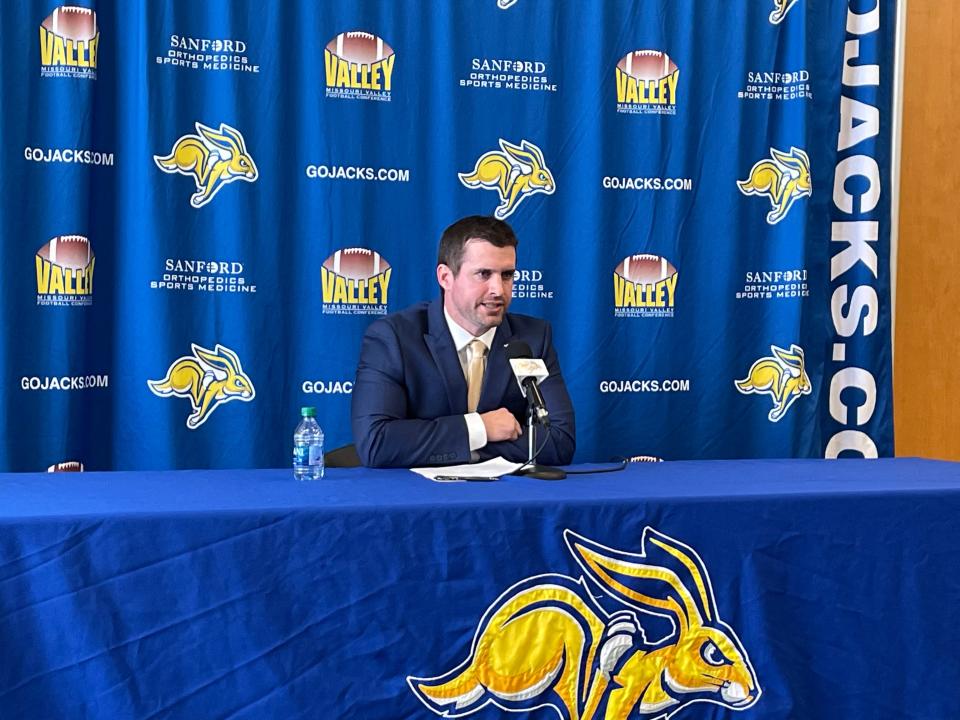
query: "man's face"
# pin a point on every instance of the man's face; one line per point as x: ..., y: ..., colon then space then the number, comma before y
x: 478, y: 296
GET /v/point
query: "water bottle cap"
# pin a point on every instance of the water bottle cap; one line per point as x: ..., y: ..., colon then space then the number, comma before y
x: 308, y: 412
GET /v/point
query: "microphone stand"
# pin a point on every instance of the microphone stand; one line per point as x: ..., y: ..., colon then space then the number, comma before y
x: 532, y: 469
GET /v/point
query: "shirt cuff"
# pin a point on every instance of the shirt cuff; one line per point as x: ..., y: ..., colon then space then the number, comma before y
x: 476, y: 431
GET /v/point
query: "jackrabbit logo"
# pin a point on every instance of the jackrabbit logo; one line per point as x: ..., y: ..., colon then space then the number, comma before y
x: 212, y: 158
x: 782, y: 376
x: 514, y: 171
x: 783, y: 179
x: 209, y: 378
x: 548, y: 642
x: 780, y: 10
x: 506, y: 4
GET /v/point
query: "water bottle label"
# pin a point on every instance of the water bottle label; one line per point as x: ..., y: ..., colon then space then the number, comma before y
x: 301, y: 455
x: 316, y: 455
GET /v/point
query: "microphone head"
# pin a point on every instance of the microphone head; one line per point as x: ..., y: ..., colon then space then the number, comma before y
x: 517, y: 349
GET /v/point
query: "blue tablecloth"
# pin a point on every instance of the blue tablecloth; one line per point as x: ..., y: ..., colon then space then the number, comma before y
x: 245, y: 594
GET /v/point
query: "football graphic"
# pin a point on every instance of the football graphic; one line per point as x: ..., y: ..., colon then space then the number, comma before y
x: 356, y: 263
x: 359, y: 47
x: 67, y: 251
x: 72, y: 22
x: 647, y: 64
x: 645, y: 269
x: 68, y: 466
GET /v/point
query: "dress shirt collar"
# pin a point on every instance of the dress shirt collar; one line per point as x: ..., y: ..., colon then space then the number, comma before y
x: 462, y: 338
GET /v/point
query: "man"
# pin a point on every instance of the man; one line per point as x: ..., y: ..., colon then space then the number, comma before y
x: 434, y: 385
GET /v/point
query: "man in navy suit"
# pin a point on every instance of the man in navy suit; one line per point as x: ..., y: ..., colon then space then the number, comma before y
x: 421, y: 369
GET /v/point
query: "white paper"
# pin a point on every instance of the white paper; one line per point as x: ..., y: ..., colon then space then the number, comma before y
x: 495, y: 467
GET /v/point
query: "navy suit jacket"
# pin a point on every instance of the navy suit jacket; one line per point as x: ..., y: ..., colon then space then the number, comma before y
x: 410, y: 394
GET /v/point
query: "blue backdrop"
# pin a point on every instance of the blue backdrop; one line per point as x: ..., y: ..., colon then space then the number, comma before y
x: 204, y: 205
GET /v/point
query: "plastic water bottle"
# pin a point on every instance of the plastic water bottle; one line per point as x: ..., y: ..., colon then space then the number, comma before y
x: 308, y: 447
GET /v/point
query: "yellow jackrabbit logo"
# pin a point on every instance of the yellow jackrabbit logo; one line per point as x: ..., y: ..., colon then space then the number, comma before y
x: 780, y: 10
x: 784, y: 179
x: 546, y: 642
x: 782, y: 376
x: 213, y: 158
x: 514, y: 171
x: 209, y: 378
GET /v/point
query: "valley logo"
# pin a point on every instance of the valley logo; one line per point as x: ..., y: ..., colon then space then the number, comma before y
x: 65, y: 272
x: 212, y: 158
x: 355, y: 281
x: 209, y: 378
x: 783, y: 179
x: 780, y: 10
x: 647, y: 83
x: 359, y: 66
x: 644, y: 286
x: 69, y: 41
x: 782, y: 376
x: 514, y: 171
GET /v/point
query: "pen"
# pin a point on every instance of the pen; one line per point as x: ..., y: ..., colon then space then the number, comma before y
x: 463, y: 478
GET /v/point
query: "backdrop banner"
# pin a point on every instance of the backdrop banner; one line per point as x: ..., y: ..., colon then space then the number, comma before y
x: 205, y: 204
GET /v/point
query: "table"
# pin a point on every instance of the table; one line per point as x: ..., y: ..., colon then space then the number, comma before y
x: 829, y: 589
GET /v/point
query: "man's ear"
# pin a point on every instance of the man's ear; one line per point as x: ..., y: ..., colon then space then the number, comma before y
x: 444, y: 276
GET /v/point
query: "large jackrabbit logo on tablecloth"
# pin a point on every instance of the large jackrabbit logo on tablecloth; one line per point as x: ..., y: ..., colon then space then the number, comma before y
x: 546, y: 642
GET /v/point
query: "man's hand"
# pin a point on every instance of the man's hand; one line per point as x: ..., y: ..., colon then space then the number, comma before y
x: 500, y: 424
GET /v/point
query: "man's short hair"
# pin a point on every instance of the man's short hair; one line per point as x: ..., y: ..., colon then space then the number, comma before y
x: 475, y: 227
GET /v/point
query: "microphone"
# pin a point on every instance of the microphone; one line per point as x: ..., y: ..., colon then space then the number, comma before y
x: 530, y: 372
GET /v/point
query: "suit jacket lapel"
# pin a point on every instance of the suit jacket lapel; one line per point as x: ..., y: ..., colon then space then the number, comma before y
x: 498, y: 373
x: 440, y: 343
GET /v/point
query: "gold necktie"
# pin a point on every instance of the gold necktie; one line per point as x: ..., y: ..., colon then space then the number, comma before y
x: 475, y: 362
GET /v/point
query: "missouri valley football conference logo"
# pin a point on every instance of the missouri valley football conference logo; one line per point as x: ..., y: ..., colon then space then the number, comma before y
x: 514, y: 171
x: 644, y: 285
x: 578, y: 644
x: 355, y: 281
x: 208, y: 378
x: 780, y: 10
x: 647, y: 83
x: 783, y: 179
x: 65, y: 271
x: 69, y: 41
x: 212, y: 158
x: 359, y: 66
x: 782, y: 376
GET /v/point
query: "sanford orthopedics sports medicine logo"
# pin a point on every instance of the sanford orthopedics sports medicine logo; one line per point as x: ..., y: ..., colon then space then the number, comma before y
x: 644, y: 285
x: 209, y: 378
x: 647, y: 83
x: 69, y: 43
x: 780, y: 10
x: 212, y: 158
x: 355, y: 281
x: 207, y: 54
x: 580, y: 644
x: 359, y: 66
x: 529, y: 284
x: 508, y: 74
x: 774, y: 285
x: 783, y: 179
x: 515, y: 172
x: 776, y: 86
x: 782, y: 376
x: 65, y: 271
x: 204, y: 276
